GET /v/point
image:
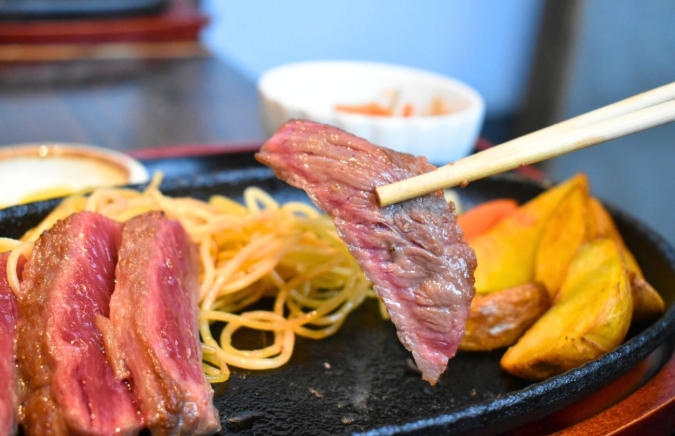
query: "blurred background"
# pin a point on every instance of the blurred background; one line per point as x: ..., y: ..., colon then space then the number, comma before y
x: 139, y: 75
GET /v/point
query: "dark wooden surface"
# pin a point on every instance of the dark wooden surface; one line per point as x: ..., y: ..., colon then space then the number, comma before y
x: 127, y: 104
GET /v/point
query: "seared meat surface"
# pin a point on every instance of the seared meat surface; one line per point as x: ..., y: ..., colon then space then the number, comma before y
x: 154, y: 319
x: 67, y: 282
x: 8, y: 319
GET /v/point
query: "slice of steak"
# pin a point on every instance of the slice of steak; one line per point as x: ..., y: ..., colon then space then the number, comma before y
x: 154, y: 317
x: 8, y: 318
x: 413, y: 252
x: 70, y: 387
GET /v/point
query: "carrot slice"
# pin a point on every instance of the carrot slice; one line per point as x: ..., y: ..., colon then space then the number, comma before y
x: 408, y: 110
x: 481, y: 218
x: 365, y: 109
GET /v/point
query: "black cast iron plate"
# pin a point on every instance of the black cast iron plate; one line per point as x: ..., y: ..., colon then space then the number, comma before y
x: 360, y: 380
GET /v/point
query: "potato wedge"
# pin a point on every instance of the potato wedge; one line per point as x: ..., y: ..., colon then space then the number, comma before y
x: 601, y: 225
x: 590, y: 317
x: 565, y: 231
x: 500, y: 318
x: 506, y: 252
x: 647, y: 303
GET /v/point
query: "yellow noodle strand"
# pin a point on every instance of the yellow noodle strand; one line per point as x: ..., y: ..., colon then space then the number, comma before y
x: 24, y: 249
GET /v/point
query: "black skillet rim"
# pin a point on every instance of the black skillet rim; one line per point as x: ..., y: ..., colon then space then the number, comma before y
x: 510, y: 410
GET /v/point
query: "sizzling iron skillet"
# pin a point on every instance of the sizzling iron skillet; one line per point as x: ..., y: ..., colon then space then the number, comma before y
x: 360, y: 379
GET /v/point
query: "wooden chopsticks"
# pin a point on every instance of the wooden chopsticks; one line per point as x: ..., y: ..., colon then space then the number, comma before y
x: 644, y: 111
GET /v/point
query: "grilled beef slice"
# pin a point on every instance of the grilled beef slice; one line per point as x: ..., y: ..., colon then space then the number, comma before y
x: 70, y: 388
x: 8, y: 318
x: 154, y: 317
x: 413, y: 252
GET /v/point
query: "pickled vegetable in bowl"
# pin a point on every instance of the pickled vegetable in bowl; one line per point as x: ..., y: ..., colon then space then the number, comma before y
x: 394, y: 107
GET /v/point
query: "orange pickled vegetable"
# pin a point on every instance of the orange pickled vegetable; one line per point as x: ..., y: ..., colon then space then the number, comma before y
x: 366, y: 109
x: 436, y: 107
x: 480, y: 219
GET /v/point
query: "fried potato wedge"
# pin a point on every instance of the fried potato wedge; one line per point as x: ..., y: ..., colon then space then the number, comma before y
x: 565, y: 231
x: 499, y: 319
x: 507, y: 251
x: 601, y: 225
x: 647, y: 302
x: 590, y: 316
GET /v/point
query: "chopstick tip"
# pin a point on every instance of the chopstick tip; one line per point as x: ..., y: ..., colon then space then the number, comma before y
x: 378, y: 198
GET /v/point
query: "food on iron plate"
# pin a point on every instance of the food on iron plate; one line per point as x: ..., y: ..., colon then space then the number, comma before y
x: 108, y: 333
x: 153, y: 313
x: 564, y: 232
x: 536, y: 243
x: 590, y: 317
x: 68, y: 280
x: 560, y: 238
x: 499, y: 319
x: 647, y: 303
x: 8, y: 377
x: 506, y: 252
x: 483, y: 217
x: 413, y: 252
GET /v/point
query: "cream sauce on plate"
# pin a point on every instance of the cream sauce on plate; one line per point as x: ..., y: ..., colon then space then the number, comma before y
x: 25, y: 179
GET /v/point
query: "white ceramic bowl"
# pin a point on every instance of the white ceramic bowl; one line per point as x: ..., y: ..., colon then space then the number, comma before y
x: 36, y: 171
x: 311, y: 90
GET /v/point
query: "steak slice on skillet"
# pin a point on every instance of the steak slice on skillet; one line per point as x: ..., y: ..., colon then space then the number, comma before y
x: 70, y: 388
x: 154, y: 318
x: 8, y: 318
